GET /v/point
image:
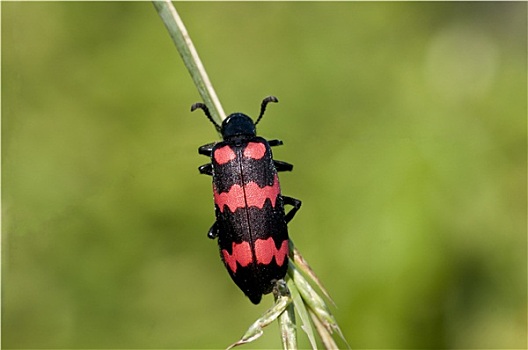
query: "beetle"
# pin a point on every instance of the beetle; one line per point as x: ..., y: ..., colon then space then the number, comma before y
x: 251, y: 223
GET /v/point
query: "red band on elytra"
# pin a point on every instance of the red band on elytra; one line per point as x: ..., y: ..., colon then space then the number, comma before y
x: 241, y: 253
x: 265, y: 250
x: 250, y: 195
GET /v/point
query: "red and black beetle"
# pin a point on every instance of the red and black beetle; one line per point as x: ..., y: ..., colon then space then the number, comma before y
x: 251, y: 224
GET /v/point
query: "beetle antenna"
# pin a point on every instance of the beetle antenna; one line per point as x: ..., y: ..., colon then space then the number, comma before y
x: 263, y: 106
x: 207, y: 113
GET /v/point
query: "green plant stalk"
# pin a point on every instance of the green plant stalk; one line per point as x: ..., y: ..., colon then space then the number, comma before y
x: 305, y: 299
x: 190, y: 57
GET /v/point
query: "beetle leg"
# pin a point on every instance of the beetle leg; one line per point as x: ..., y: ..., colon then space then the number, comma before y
x: 206, y: 150
x: 213, y: 231
x: 275, y: 143
x: 282, y: 166
x: 296, y: 205
x: 206, y: 169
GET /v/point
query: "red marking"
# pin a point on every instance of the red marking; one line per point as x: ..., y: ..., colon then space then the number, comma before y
x: 241, y: 254
x: 234, y: 198
x: 265, y: 250
x: 255, y: 150
x: 224, y: 155
x: 256, y: 196
x: 251, y: 195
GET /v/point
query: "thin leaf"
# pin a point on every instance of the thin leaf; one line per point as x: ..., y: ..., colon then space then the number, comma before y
x: 303, y: 313
x: 302, y: 264
x: 315, y: 302
x: 326, y: 336
x: 283, y: 299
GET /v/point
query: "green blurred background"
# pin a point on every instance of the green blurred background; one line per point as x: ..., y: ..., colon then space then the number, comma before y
x: 406, y: 123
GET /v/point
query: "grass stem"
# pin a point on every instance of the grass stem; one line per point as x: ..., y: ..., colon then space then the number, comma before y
x: 181, y: 39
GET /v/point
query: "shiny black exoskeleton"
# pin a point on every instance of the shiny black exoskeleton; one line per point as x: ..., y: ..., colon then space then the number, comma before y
x: 251, y: 224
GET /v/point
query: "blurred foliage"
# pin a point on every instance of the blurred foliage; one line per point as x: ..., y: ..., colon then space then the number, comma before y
x: 406, y: 123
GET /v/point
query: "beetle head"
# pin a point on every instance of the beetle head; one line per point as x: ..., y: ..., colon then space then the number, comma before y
x: 236, y: 124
